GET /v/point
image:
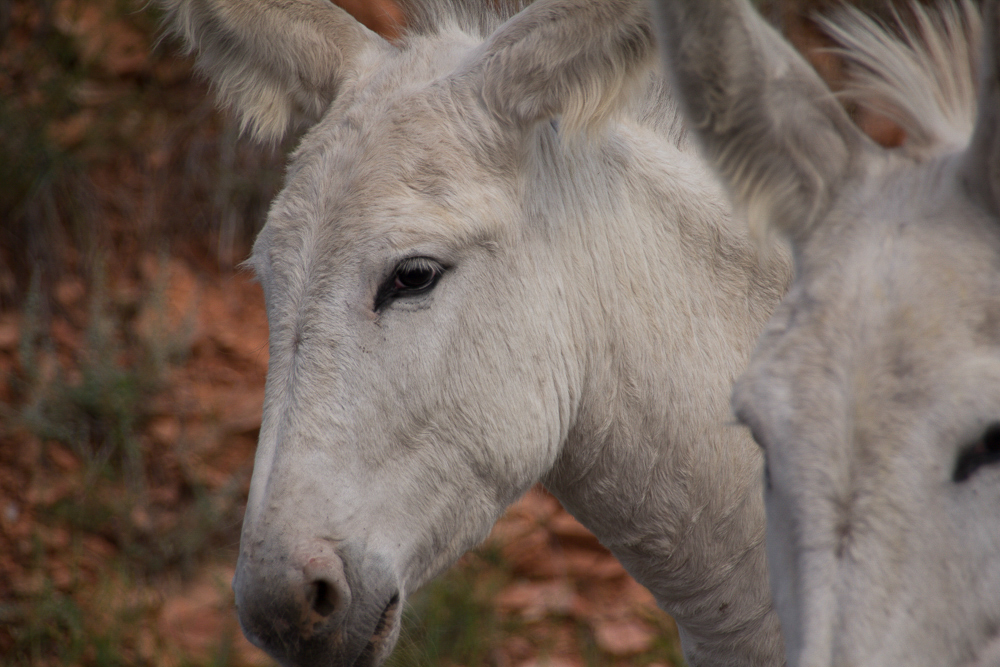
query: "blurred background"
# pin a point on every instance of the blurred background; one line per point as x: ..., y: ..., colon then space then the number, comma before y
x: 133, y: 352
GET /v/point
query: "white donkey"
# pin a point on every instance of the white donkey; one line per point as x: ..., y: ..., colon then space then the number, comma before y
x: 496, y: 260
x: 875, y: 389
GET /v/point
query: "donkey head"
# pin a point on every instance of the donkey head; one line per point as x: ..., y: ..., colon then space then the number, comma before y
x: 875, y: 389
x: 423, y: 358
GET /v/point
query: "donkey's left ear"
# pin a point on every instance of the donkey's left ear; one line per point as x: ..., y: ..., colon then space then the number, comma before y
x: 572, y: 58
x: 981, y: 168
x: 768, y: 124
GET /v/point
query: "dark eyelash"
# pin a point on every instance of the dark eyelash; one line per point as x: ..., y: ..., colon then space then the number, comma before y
x: 411, y: 277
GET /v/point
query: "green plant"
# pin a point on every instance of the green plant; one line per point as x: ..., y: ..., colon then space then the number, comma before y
x: 451, y: 621
x: 93, y: 404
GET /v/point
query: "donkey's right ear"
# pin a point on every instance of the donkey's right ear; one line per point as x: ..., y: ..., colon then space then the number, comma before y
x: 271, y: 58
x: 575, y: 59
x: 768, y: 124
x: 981, y: 163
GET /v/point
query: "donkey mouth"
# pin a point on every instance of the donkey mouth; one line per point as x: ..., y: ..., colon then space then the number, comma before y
x: 378, y: 647
x: 332, y: 646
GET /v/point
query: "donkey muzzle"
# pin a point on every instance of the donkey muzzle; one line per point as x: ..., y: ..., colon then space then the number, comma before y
x: 315, y: 606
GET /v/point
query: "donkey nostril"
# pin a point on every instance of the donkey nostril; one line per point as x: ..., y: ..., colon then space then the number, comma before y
x: 324, y: 600
x: 326, y: 591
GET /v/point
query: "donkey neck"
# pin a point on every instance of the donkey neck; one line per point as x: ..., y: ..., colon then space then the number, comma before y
x: 652, y: 464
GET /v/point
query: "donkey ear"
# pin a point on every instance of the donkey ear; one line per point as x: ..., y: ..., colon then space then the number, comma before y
x: 981, y: 168
x: 270, y: 58
x: 574, y: 58
x: 768, y: 124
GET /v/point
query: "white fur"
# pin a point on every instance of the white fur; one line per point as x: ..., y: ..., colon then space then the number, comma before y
x: 597, y: 304
x: 880, y: 370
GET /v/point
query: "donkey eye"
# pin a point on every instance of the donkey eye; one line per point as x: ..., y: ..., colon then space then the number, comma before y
x: 417, y: 274
x: 411, y: 277
x: 985, y: 451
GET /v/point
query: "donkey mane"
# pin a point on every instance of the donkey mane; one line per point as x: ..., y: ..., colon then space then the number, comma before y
x: 475, y: 17
x: 922, y: 75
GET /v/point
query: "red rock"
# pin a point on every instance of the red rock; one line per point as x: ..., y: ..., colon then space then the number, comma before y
x: 534, y: 600
x: 626, y: 636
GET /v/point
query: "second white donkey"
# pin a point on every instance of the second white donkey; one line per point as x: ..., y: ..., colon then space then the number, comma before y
x: 875, y: 390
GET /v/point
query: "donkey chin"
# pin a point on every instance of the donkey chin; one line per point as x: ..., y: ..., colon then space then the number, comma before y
x: 309, y: 611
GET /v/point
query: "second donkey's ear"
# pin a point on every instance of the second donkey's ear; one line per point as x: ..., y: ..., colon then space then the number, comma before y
x: 981, y: 168
x: 272, y: 58
x: 768, y: 124
x: 570, y: 58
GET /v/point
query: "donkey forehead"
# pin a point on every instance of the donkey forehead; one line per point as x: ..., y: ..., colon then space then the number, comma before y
x: 865, y: 335
x: 388, y: 174
x: 905, y: 262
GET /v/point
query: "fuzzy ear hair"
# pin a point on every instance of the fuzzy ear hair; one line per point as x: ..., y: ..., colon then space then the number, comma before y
x: 768, y: 124
x: 981, y: 162
x: 570, y: 58
x: 271, y: 58
x: 922, y: 76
